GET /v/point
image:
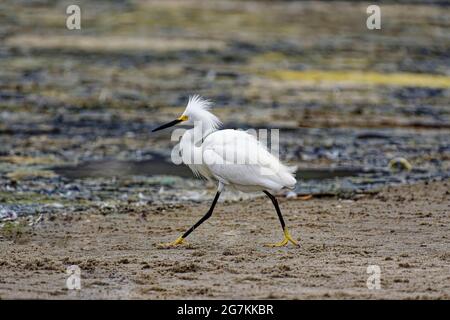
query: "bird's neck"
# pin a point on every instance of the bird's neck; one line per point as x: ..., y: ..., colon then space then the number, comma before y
x: 201, y: 130
x: 191, y: 146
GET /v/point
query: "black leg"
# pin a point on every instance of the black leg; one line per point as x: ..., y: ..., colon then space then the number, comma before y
x: 287, y: 236
x: 205, y: 217
x: 277, y: 208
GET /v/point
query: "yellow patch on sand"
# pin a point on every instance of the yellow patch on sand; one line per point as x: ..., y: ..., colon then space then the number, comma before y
x: 365, y: 78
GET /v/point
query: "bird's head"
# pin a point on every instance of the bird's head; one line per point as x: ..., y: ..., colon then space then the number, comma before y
x: 197, y: 111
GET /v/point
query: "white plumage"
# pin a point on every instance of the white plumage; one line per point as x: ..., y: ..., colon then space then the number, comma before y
x: 233, y: 158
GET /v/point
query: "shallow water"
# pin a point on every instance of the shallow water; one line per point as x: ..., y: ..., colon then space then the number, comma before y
x: 162, y: 167
x: 333, y: 180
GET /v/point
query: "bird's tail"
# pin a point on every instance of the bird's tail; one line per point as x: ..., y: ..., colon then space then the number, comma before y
x: 287, y: 176
x: 292, y: 169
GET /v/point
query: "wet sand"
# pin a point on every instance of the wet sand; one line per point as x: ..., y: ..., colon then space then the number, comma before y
x: 404, y: 230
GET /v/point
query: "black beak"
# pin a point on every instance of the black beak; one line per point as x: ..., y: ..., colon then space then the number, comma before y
x: 167, y: 125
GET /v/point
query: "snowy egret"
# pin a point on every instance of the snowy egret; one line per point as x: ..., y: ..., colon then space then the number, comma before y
x: 233, y: 158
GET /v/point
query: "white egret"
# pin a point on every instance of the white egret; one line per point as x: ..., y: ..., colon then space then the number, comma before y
x: 234, y: 159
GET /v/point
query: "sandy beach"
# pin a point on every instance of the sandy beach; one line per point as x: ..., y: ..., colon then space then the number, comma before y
x: 404, y: 230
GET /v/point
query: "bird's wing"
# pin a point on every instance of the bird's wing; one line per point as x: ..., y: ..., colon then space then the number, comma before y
x: 236, y: 157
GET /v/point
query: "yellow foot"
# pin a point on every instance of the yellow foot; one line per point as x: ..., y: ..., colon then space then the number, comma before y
x: 173, y: 244
x: 285, y: 241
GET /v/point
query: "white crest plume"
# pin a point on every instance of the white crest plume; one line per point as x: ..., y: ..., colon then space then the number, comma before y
x: 198, y: 108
